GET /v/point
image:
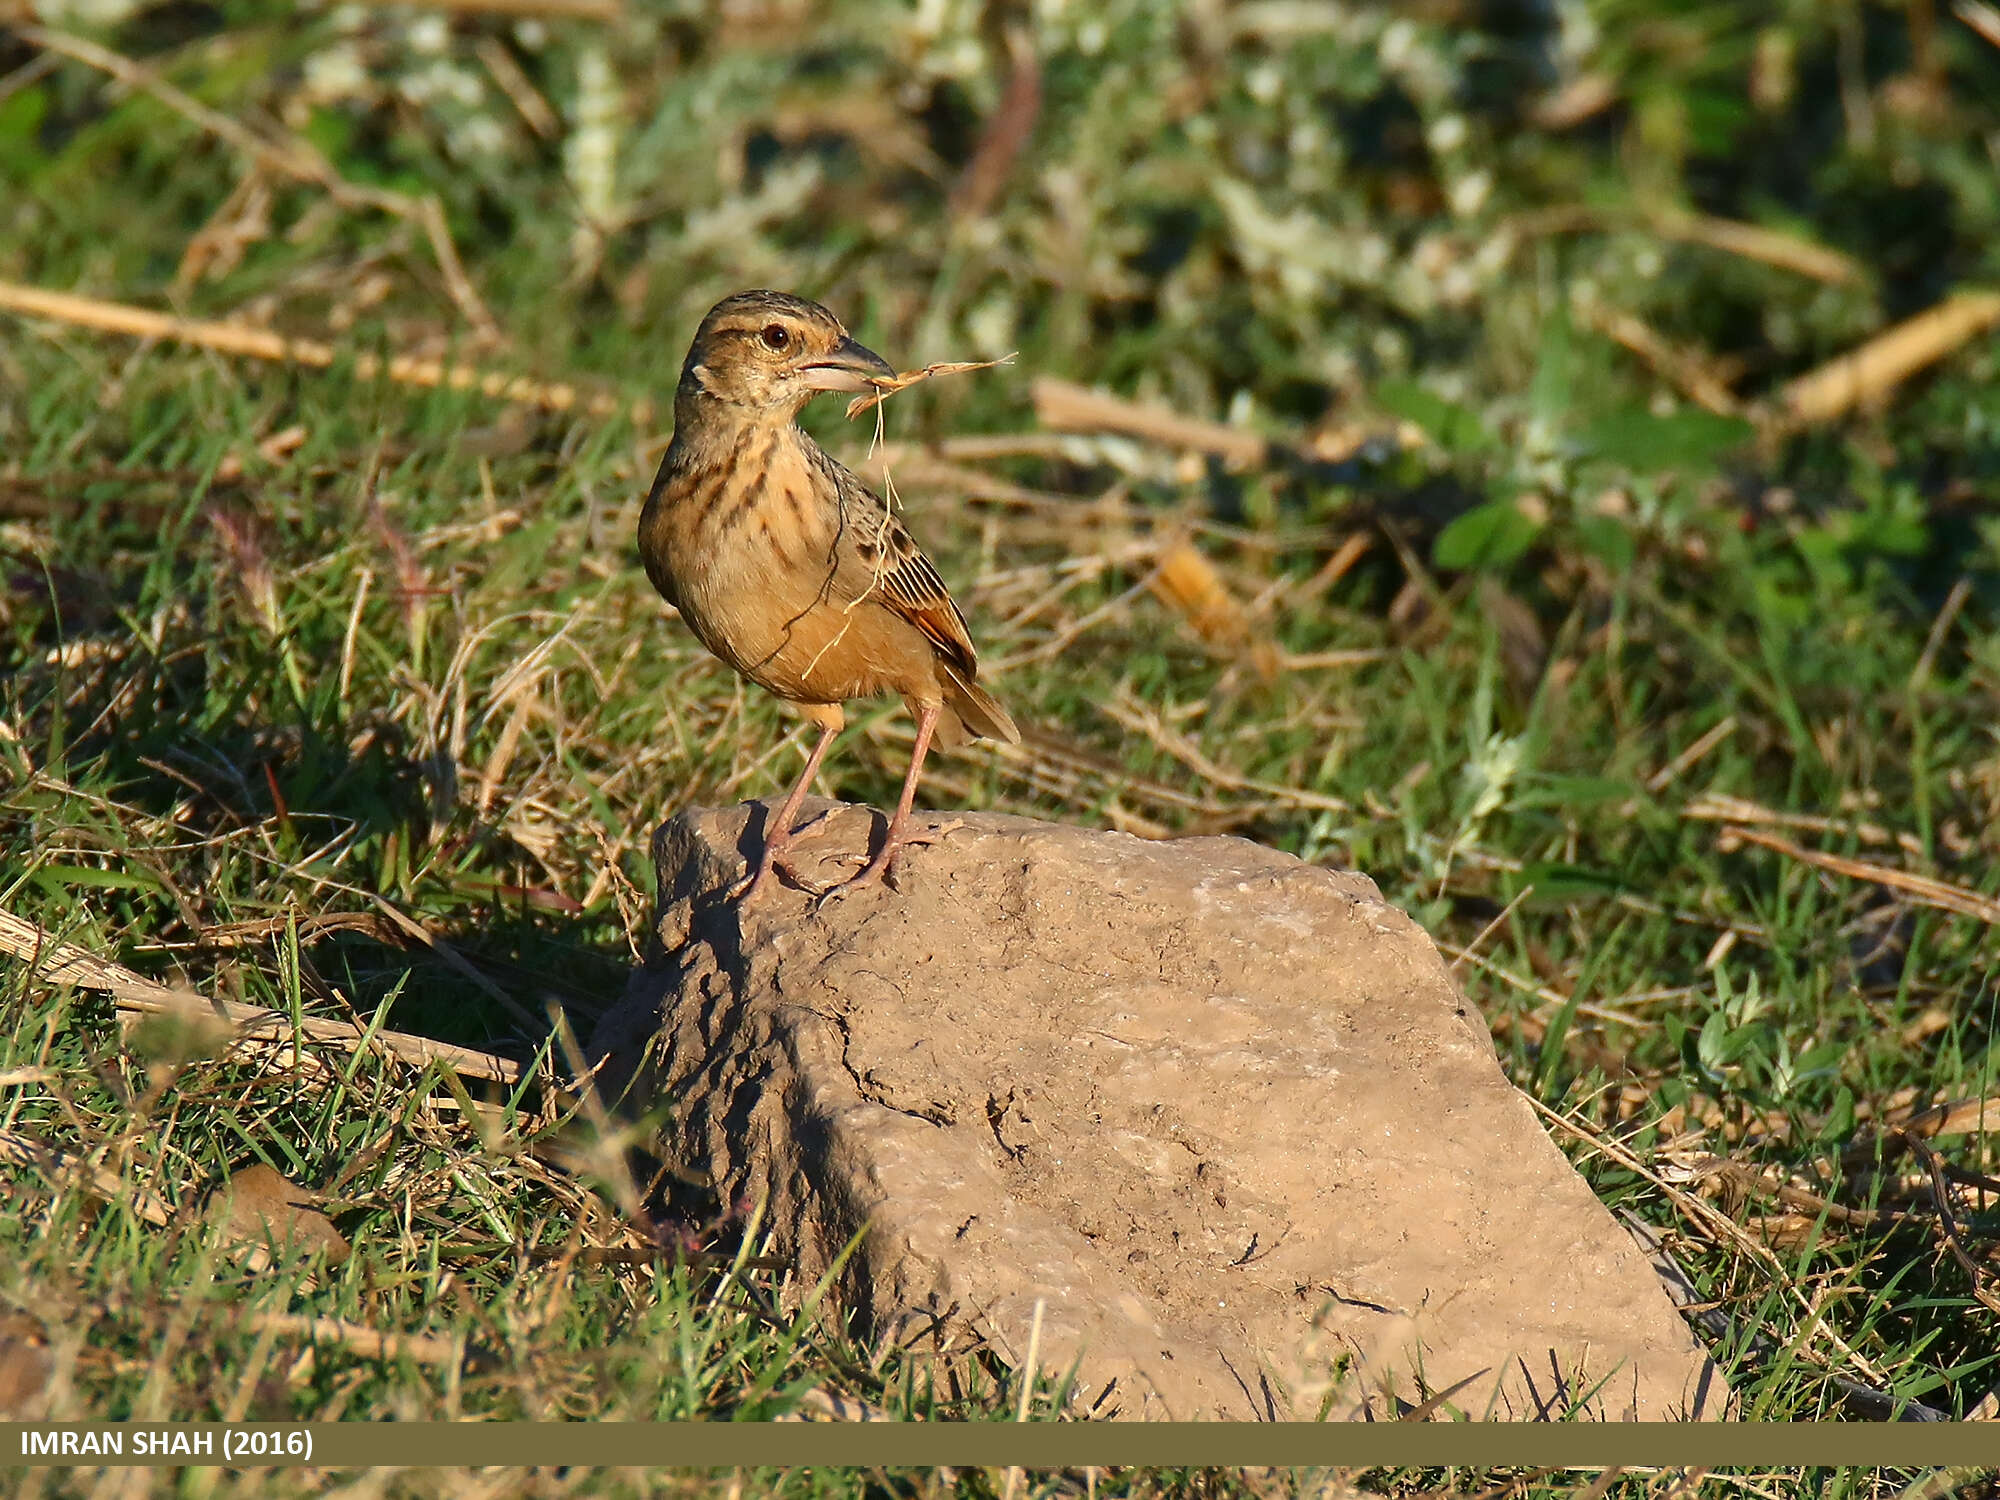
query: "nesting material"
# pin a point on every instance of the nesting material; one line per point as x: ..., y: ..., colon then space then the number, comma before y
x: 888, y: 385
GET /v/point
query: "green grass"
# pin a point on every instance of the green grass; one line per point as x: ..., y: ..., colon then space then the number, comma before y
x: 402, y: 654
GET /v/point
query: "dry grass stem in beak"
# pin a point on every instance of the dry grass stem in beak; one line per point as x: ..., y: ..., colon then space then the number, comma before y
x: 888, y: 385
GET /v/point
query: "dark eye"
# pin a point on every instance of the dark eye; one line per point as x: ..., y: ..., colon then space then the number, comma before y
x: 777, y: 337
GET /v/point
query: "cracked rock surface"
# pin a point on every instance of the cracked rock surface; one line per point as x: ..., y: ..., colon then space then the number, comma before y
x: 1224, y: 1115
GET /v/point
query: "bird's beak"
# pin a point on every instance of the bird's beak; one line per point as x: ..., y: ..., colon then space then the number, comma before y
x: 847, y: 368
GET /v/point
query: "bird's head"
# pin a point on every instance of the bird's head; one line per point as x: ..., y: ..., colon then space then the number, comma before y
x: 768, y: 353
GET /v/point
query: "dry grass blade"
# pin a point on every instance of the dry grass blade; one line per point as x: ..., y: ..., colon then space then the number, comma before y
x: 1006, y: 133
x: 1127, y: 710
x: 1067, y: 407
x: 1919, y: 888
x: 888, y: 385
x: 917, y: 470
x: 357, y: 1338
x: 548, y: 10
x: 293, y: 158
x: 1981, y: 17
x: 1867, y: 374
x: 1679, y: 766
x: 261, y: 343
x: 1750, y: 241
x: 821, y: 1405
x: 456, y: 962
x: 1187, y: 581
x: 1720, y: 1228
x: 1720, y: 807
x: 1424, y: 1410
x: 1744, y: 1178
x: 1683, y: 368
x: 64, y: 963
x: 1960, y: 1117
x: 17, y: 1150
x: 1754, y: 242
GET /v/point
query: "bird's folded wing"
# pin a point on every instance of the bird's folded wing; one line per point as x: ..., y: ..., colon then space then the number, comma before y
x: 908, y: 584
x: 881, y: 561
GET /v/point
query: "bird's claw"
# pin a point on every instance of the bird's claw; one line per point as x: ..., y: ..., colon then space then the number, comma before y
x: 777, y: 860
x: 885, y: 863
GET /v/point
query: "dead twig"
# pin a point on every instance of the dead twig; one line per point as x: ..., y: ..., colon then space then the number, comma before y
x: 1868, y: 374
x: 546, y: 10
x: 1948, y: 1222
x: 1960, y: 1117
x: 64, y: 963
x: 1732, y: 236
x: 1719, y: 807
x: 1006, y: 133
x: 291, y: 157
x: 54, y: 1163
x: 1980, y: 16
x: 1919, y: 888
x: 261, y: 343
x: 1067, y: 407
x: 358, y: 1338
x: 1680, y: 367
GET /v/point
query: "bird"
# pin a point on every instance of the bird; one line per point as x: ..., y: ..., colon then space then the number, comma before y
x: 792, y: 570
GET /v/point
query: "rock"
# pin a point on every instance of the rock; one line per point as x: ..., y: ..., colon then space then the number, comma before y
x: 261, y: 1210
x: 1221, y: 1116
x: 26, y: 1368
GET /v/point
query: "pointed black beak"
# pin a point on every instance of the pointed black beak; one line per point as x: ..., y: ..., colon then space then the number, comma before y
x: 847, y: 368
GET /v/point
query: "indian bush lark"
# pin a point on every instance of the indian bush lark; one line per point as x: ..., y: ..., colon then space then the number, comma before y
x: 788, y: 567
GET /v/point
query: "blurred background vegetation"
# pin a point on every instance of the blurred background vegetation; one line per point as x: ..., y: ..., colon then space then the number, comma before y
x: 1489, y: 497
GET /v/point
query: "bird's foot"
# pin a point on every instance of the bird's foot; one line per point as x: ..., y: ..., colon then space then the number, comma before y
x: 884, y: 864
x: 777, y: 859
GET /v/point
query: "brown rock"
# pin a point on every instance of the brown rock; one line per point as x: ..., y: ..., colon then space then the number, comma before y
x: 261, y: 1209
x: 26, y: 1367
x: 1223, y: 1116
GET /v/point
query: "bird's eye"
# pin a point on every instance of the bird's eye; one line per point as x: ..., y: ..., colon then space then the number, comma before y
x: 777, y: 337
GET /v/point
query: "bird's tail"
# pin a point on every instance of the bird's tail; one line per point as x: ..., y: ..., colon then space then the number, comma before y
x: 976, y: 708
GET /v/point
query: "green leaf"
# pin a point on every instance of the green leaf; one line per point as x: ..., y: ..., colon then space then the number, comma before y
x: 1572, y: 791
x: 1687, y: 439
x: 20, y: 120
x: 1714, y: 1045
x: 1899, y: 536
x: 330, y: 132
x: 1552, y: 393
x: 1840, y: 1120
x: 1487, y: 536
x: 1608, y: 540
x: 1557, y: 884
x: 57, y: 878
x: 1447, y: 424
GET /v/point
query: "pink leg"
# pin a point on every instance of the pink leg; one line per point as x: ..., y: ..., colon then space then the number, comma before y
x: 899, y: 835
x: 778, y: 832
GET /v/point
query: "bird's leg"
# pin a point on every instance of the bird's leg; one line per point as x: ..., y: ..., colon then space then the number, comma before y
x: 778, y: 832
x: 899, y: 835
